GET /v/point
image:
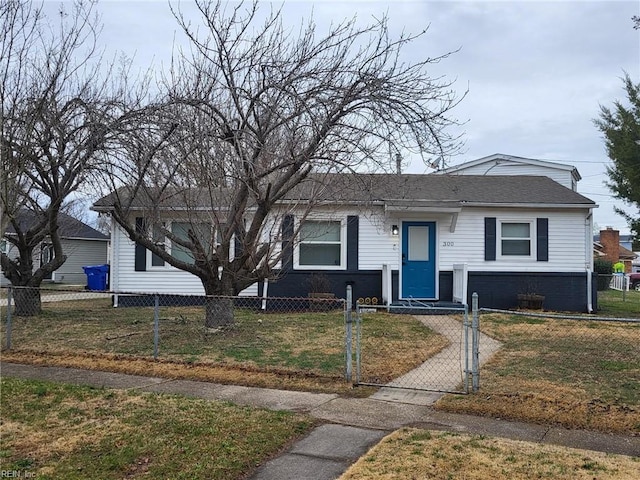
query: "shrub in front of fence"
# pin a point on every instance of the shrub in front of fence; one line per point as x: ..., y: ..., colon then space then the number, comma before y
x: 604, y: 269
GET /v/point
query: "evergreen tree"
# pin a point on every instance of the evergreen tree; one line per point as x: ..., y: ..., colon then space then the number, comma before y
x: 621, y: 128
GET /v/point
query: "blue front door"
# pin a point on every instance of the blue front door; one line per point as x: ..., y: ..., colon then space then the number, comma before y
x: 419, y: 260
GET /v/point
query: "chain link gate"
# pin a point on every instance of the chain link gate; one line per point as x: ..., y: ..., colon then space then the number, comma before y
x: 430, y: 348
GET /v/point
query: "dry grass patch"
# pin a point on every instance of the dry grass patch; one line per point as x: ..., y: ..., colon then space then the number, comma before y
x: 546, y: 403
x: 413, y: 453
x: 579, y: 374
x: 189, y: 371
x: 53, y: 431
x: 393, y: 345
x: 75, y: 417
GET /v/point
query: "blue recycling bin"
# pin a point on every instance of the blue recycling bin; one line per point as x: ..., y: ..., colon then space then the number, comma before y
x: 96, y: 276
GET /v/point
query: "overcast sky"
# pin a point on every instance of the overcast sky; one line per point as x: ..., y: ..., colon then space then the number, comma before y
x: 536, y: 72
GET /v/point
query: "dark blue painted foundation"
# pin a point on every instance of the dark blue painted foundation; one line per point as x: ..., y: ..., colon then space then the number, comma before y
x: 562, y: 291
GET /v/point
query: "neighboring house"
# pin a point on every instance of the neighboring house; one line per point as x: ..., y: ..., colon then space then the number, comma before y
x: 607, y: 246
x: 500, y: 164
x: 626, y: 240
x: 82, y: 244
x: 414, y: 237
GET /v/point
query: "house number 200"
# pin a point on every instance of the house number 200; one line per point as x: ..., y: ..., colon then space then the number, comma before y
x: 447, y: 244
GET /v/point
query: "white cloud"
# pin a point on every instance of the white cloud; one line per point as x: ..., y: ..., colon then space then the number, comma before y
x: 536, y: 71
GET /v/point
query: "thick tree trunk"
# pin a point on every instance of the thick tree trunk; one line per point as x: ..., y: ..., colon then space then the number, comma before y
x: 218, y: 312
x: 27, y: 301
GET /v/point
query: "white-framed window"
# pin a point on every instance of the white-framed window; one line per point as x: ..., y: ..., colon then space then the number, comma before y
x: 180, y: 229
x: 321, y: 245
x: 516, y: 239
x: 203, y: 233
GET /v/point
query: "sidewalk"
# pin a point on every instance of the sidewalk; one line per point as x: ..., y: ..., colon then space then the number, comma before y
x: 61, y: 296
x: 353, y: 424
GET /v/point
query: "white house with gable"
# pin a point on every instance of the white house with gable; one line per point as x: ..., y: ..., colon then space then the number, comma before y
x: 506, y: 225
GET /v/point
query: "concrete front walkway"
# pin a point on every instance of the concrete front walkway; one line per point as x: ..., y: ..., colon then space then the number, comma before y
x: 444, y: 371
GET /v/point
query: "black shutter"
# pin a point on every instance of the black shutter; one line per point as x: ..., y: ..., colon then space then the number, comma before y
x: 542, y: 239
x: 140, y: 261
x: 490, y: 238
x: 353, y: 225
x: 287, y: 242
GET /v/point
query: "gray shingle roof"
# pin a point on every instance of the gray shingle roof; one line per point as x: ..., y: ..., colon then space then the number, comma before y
x: 170, y: 198
x: 69, y: 227
x: 461, y: 189
x: 396, y: 189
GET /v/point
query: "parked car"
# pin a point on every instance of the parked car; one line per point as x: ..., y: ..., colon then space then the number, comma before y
x: 634, y: 280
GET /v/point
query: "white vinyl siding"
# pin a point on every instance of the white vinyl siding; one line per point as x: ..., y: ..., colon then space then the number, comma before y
x: 159, y: 280
x: 271, y: 233
x: 466, y: 245
x: 377, y: 246
x: 562, y: 176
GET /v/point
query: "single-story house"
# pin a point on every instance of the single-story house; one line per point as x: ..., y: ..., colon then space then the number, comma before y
x: 499, y: 226
x: 82, y: 244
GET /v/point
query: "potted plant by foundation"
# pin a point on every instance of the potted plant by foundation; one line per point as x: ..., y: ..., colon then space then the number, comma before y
x: 319, y: 292
x: 530, y: 299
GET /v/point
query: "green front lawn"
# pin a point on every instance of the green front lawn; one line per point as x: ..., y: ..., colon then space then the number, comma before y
x: 618, y: 304
x: 307, y: 345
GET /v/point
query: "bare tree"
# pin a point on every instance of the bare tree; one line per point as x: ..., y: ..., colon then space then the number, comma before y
x: 54, y: 125
x: 16, y: 36
x: 253, y: 113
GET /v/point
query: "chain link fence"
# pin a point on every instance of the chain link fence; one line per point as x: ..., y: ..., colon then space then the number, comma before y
x: 411, y: 346
x: 590, y: 356
x: 515, y: 352
x: 288, y: 335
x: 441, y: 357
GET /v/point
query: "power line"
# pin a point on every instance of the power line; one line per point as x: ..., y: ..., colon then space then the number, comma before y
x: 598, y: 194
x: 591, y: 161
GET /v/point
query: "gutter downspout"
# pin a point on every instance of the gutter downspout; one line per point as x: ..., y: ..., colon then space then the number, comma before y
x: 589, y: 259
